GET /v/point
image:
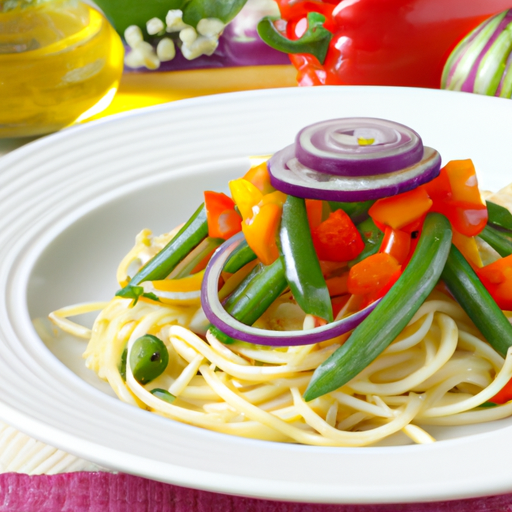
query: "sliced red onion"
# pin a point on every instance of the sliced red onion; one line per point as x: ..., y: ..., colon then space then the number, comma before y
x: 481, y: 62
x: 288, y: 175
x: 360, y: 146
x: 221, y: 319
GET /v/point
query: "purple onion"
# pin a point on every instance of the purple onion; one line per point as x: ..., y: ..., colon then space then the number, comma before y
x: 481, y: 62
x: 221, y: 319
x: 358, y: 146
x: 288, y: 175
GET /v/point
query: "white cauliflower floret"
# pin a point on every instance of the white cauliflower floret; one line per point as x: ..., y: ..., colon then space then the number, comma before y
x: 154, y: 26
x: 174, y: 21
x: 201, y: 46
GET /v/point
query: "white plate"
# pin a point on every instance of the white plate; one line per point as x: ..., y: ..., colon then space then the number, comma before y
x: 70, y: 206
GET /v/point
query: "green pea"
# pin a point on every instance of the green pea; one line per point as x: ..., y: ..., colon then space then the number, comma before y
x: 163, y: 394
x: 148, y: 358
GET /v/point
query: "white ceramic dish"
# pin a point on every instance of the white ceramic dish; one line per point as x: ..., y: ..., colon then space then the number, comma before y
x: 70, y: 207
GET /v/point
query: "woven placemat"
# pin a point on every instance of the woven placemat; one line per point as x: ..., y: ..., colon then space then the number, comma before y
x: 108, y: 492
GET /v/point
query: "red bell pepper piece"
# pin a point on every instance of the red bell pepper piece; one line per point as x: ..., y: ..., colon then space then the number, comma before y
x: 504, y: 395
x: 497, y: 278
x: 223, y: 220
x: 373, y: 274
x: 314, y: 209
x: 456, y: 195
x: 396, y: 243
x: 386, y: 42
x: 336, y: 238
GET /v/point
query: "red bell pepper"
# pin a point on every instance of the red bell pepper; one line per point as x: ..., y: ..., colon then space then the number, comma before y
x: 373, y: 274
x: 456, y: 195
x: 223, y: 220
x: 376, y: 42
x: 336, y: 238
x: 497, y: 278
x: 396, y: 243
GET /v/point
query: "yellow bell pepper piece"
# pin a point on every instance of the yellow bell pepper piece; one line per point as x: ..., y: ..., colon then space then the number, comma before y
x: 468, y: 247
x: 245, y: 195
x: 180, y: 292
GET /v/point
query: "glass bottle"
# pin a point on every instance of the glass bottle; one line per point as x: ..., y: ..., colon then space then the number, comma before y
x: 60, y: 62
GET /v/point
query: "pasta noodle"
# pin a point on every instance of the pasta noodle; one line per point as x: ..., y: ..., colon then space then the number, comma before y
x: 438, y: 371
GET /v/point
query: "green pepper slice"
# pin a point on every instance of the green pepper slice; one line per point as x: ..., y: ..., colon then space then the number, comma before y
x: 392, y: 314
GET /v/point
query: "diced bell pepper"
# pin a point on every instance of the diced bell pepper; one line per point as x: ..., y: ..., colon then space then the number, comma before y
x: 372, y: 274
x: 396, y: 243
x: 497, y: 279
x: 259, y: 176
x: 223, y: 220
x: 402, y: 209
x: 456, y: 195
x: 337, y: 238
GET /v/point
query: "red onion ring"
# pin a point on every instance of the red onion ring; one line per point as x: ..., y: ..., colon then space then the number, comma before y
x: 288, y: 175
x: 221, y: 319
x: 356, y: 147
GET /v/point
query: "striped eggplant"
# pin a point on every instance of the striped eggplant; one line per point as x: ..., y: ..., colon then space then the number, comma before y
x: 481, y: 62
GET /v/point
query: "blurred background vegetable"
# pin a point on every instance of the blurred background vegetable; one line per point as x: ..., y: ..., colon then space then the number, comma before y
x: 376, y: 42
x: 480, y: 63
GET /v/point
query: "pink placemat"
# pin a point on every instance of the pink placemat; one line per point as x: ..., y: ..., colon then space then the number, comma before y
x: 107, y: 492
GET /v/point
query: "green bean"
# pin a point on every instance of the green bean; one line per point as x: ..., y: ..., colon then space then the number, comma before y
x: 357, y: 211
x: 165, y: 261
x: 372, y: 237
x: 499, y: 216
x: 242, y: 255
x: 477, y: 302
x: 148, y: 358
x: 392, y: 314
x: 254, y: 295
x: 240, y: 289
x: 303, y: 271
x: 498, y: 240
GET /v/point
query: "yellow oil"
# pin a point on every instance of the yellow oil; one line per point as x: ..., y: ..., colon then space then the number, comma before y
x: 60, y: 61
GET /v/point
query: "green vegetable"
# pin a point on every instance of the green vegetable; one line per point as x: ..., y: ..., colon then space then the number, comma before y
x: 122, y: 365
x: 224, y: 10
x: 372, y: 237
x: 254, y: 295
x: 240, y: 289
x: 164, y: 395
x: 498, y: 240
x: 477, y: 302
x: 148, y: 358
x: 392, y: 314
x: 259, y: 293
x: 303, y: 271
x: 123, y: 13
x: 165, y: 261
x: 357, y: 211
x: 499, y: 216
x: 315, y: 40
x: 208, y: 247
x: 135, y: 292
x: 242, y: 255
